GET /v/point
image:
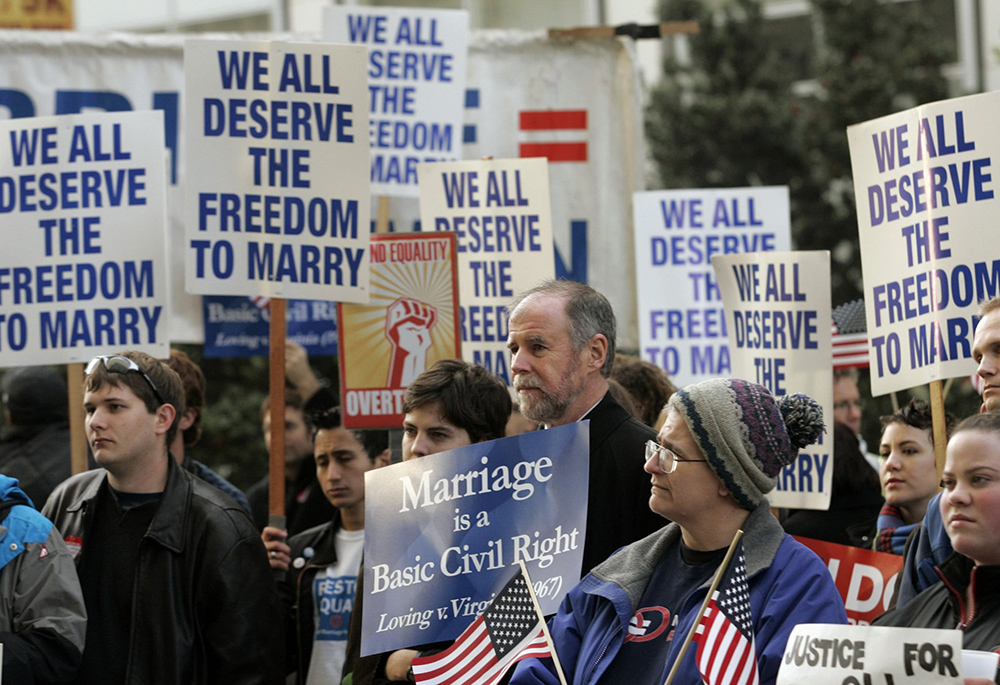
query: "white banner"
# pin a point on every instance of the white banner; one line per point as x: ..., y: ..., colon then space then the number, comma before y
x: 277, y: 197
x: 500, y: 211
x: 83, y: 209
x: 926, y: 193
x: 417, y: 61
x: 681, y: 320
x: 821, y: 654
x: 582, y: 105
x: 778, y: 317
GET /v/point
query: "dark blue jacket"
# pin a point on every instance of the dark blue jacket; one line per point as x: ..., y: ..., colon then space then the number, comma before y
x: 788, y: 585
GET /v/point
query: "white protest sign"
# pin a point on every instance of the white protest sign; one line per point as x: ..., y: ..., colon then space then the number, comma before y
x: 501, y: 213
x: 277, y: 198
x: 83, y: 208
x: 778, y: 317
x: 821, y: 654
x: 417, y: 61
x: 681, y: 321
x: 927, y: 204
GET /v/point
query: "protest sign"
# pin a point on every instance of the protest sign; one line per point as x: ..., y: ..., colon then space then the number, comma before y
x: 682, y: 326
x: 416, y: 84
x: 237, y: 327
x: 865, y: 579
x: 927, y: 202
x: 500, y: 211
x: 277, y: 200
x: 592, y: 92
x: 822, y: 654
x: 410, y: 323
x: 443, y: 532
x: 83, y: 207
x: 778, y: 317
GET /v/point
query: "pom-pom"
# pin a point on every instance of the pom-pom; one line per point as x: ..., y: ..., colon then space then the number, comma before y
x: 803, y: 419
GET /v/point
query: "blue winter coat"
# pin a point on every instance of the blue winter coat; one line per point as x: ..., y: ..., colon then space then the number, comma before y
x: 788, y: 585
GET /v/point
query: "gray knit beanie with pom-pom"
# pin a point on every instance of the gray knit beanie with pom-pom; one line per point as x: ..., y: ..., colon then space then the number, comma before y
x: 747, y: 434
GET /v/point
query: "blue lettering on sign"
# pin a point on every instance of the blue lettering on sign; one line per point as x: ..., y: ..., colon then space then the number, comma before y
x: 22, y: 106
x: 25, y: 144
x: 711, y: 360
x: 805, y: 474
x: 364, y: 29
x: 494, y: 361
x: 676, y: 213
x: 236, y: 68
x: 102, y: 326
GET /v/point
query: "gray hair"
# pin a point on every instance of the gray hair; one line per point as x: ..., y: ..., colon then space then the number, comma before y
x: 845, y: 373
x: 588, y: 311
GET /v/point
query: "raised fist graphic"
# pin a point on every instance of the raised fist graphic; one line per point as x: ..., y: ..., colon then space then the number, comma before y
x: 408, y: 325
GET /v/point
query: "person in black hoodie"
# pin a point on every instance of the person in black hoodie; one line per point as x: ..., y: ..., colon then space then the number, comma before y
x: 34, y: 440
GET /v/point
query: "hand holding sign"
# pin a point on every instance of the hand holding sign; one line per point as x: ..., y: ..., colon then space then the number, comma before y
x: 408, y: 323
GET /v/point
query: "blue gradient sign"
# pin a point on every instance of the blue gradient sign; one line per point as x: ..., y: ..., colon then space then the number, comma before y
x: 443, y: 533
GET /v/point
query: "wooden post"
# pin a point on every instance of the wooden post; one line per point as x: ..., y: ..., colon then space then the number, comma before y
x: 276, y: 481
x: 382, y: 214
x: 77, y: 419
x: 940, y: 430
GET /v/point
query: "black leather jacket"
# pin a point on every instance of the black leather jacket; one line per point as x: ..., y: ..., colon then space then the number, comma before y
x: 945, y: 605
x: 204, y: 601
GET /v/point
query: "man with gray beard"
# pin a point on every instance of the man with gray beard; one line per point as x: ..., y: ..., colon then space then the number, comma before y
x: 562, y: 343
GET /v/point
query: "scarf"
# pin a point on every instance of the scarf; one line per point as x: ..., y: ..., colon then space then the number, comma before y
x: 892, y: 532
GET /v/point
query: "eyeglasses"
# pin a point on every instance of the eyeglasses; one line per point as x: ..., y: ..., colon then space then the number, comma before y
x: 666, y: 459
x: 119, y: 364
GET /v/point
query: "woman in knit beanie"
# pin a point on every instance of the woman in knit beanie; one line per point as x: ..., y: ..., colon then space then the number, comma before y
x: 746, y: 433
x: 718, y: 453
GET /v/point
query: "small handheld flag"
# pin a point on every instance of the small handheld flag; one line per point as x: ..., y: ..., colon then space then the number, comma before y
x: 726, y: 652
x: 723, y: 628
x: 509, y: 630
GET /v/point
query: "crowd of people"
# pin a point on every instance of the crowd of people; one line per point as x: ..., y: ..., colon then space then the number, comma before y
x: 152, y: 568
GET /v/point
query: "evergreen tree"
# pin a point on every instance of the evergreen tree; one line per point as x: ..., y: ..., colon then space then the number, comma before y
x: 730, y: 117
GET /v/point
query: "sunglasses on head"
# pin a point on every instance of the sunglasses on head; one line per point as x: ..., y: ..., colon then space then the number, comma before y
x: 118, y: 364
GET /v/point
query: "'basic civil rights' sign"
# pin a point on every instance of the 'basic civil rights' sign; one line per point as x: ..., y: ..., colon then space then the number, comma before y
x: 443, y: 532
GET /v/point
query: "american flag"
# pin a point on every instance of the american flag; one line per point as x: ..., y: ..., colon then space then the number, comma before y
x: 260, y: 301
x: 726, y: 653
x: 508, y: 631
x: 850, y: 335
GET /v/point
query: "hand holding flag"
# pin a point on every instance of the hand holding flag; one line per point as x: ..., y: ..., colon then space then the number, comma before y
x: 724, y: 628
x: 511, y: 629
